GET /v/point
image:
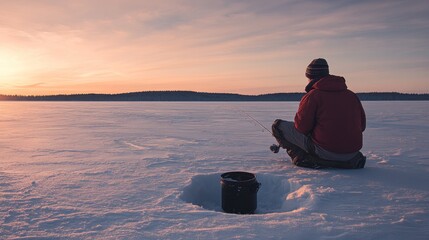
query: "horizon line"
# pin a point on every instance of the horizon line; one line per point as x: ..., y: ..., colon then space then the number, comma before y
x: 189, y: 91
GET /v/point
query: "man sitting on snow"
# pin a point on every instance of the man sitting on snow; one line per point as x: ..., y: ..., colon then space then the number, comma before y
x: 328, y: 126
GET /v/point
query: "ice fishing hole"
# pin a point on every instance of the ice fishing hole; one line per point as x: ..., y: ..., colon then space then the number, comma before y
x: 205, y: 191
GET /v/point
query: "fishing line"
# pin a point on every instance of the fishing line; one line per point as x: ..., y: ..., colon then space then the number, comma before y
x: 254, y: 120
x: 260, y: 124
x: 275, y: 147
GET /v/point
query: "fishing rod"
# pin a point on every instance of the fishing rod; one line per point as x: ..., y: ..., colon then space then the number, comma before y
x: 256, y: 121
x: 275, y: 148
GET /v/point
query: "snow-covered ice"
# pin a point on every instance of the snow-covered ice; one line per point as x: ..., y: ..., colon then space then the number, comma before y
x: 151, y: 170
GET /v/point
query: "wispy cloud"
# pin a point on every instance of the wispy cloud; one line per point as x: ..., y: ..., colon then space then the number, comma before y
x: 34, y: 85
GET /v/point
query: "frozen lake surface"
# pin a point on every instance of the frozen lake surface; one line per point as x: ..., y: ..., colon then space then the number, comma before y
x: 151, y: 170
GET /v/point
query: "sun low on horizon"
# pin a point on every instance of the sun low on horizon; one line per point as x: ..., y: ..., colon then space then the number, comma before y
x: 246, y: 47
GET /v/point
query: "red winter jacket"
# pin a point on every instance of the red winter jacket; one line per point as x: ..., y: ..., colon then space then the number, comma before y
x: 333, y: 115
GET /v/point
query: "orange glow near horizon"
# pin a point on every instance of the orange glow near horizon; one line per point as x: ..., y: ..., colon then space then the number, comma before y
x: 10, y: 65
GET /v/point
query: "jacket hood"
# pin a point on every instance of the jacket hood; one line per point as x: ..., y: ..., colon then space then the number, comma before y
x: 331, y: 83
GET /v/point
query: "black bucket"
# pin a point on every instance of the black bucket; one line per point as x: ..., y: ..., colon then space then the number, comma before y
x: 239, y: 192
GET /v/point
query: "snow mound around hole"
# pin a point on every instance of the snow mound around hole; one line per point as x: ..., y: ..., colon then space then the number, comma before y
x: 277, y: 194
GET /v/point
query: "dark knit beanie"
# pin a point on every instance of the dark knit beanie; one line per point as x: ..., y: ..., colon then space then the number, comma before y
x: 317, y: 69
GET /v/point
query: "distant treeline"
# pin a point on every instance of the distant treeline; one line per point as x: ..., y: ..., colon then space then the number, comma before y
x: 203, y: 96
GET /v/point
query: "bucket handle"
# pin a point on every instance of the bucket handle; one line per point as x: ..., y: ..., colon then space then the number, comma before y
x: 258, y: 186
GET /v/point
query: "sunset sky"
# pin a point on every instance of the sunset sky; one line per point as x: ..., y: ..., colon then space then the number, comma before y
x: 244, y: 46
